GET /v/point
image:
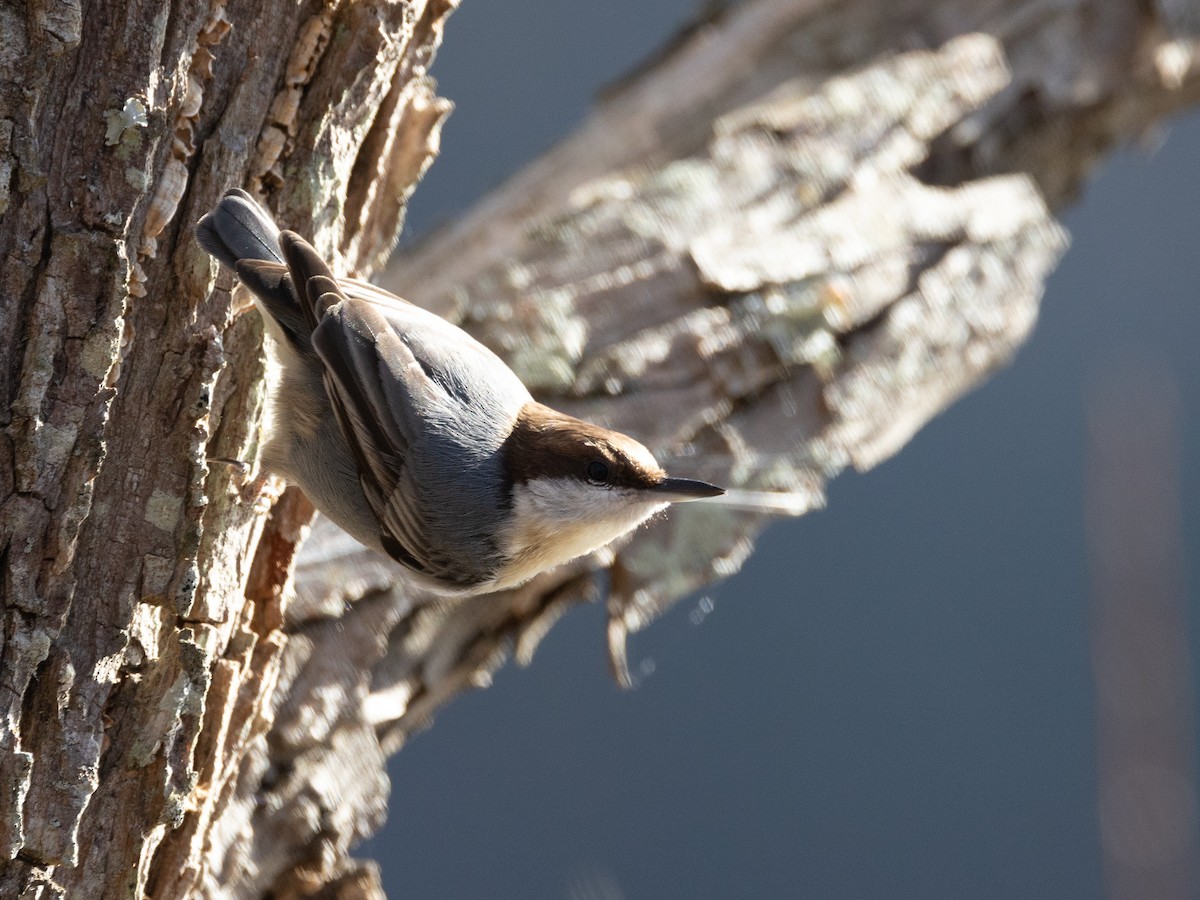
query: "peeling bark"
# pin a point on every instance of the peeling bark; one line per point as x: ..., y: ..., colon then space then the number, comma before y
x: 775, y: 251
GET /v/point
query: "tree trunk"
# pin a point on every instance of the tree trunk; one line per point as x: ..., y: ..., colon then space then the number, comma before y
x: 142, y: 602
x: 776, y: 251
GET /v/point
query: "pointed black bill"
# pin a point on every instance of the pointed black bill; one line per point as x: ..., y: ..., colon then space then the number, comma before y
x: 681, y: 490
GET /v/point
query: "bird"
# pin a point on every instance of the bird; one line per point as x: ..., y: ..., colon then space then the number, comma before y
x: 416, y: 439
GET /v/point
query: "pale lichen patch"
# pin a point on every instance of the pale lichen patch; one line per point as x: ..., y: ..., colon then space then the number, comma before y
x: 99, y: 350
x: 62, y: 22
x: 145, y: 634
x: 164, y: 510
x: 138, y: 179
x: 120, y: 121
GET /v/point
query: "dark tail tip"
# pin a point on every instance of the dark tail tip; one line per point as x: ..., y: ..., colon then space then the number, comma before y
x: 238, y: 228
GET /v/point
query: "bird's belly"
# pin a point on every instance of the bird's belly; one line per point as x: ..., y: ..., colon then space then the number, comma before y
x: 319, y: 463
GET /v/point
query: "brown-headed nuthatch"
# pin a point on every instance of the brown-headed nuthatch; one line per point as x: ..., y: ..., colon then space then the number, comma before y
x: 415, y: 438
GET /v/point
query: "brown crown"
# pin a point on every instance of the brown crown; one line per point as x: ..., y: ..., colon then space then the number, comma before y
x: 548, y: 444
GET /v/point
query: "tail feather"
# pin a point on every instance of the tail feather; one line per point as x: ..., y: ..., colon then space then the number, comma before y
x: 271, y: 285
x: 241, y: 234
x: 237, y: 229
x: 312, y: 277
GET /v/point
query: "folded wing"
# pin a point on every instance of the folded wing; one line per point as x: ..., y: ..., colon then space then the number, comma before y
x: 423, y: 409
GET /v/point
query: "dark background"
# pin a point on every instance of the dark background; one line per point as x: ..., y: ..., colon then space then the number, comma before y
x: 894, y: 698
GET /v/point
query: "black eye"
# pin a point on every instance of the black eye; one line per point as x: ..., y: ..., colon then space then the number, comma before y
x: 597, y: 472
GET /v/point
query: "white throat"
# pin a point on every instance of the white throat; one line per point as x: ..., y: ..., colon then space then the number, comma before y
x: 558, y: 519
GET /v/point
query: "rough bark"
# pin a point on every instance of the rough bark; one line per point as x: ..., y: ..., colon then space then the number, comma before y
x: 141, y: 630
x: 776, y: 251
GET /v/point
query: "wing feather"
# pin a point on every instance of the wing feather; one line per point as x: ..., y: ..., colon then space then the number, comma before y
x: 388, y: 402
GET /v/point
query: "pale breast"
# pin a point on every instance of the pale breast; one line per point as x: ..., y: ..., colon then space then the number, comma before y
x: 556, y: 520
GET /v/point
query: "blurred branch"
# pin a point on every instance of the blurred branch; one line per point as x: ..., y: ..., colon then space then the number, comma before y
x: 775, y: 252
x: 1141, y: 658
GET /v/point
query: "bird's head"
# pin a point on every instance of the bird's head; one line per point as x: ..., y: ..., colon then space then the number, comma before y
x: 578, y: 486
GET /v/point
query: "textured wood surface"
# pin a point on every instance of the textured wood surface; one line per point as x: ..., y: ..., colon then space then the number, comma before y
x: 141, y: 602
x: 772, y: 253
x: 769, y: 271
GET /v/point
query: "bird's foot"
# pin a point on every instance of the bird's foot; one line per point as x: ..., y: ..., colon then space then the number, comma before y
x: 259, y: 490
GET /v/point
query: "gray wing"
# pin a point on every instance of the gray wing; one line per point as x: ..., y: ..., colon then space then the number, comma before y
x: 424, y: 410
